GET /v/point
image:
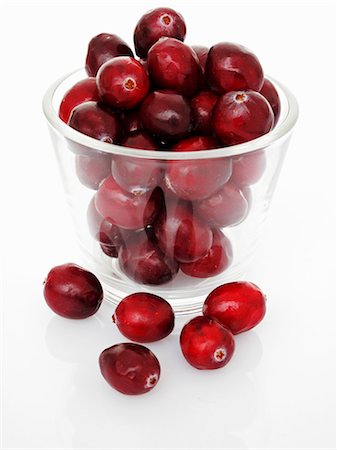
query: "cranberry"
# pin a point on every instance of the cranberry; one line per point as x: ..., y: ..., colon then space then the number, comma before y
x: 110, y: 238
x: 226, y: 207
x: 269, y: 91
x: 144, y: 317
x: 206, y: 344
x: 197, y: 178
x: 72, y: 292
x: 174, y: 65
x: 122, y: 82
x: 94, y: 219
x: 124, y: 209
x: 248, y: 168
x: 241, y: 116
x: 144, y: 262
x: 130, y: 368
x: 83, y: 91
x: 202, y: 53
x: 92, y: 170
x: 239, y: 306
x: 181, y: 235
x: 131, y: 122
x: 103, y: 47
x: 155, y: 24
x: 202, y: 107
x: 166, y: 115
x: 232, y: 67
x: 216, y: 260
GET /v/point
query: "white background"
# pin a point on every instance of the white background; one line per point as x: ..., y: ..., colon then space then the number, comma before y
x: 279, y: 390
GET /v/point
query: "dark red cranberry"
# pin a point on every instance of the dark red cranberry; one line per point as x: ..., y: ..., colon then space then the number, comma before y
x: 269, y: 91
x: 141, y: 140
x: 195, y: 179
x: 91, y: 171
x: 72, y: 291
x: 131, y: 122
x: 110, y: 238
x: 182, y: 235
x: 122, y: 82
x: 155, y: 24
x: 216, y: 260
x: 202, y: 107
x: 232, y: 67
x: 124, y: 209
x: 144, y: 317
x: 241, y: 116
x: 238, y: 306
x: 206, y: 344
x: 248, y: 168
x: 130, y: 368
x: 166, y: 115
x: 83, y: 91
x: 202, y: 53
x: 174, y: 65
x: 145, y: 263
x: 102, y: 48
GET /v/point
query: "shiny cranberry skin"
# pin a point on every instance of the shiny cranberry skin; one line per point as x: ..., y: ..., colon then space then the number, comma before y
x: 91, y: 171
x: 197, y: 178
x: 226, y: 207
x: 124, y: 209
x: 202, y: 53
x: 174, y: 65
x: 202, y: 107
x: 248, y: 168
x: 102, y: 48
x: 131, y: 122
x: 216, y: 260
x: 144, y: 317
x: 232, y: 67
x: 269, y: 91
x: 238, y: 306
x: 241, y: 116
x: 72, y: 292
x: 167, y: 115
x: 122, y: 82
x: 206, y: 344
x: 83, y: 91
x: 155, y: 24
x: 144, y: 262
x: 140, y: 139
x: 131, y: 369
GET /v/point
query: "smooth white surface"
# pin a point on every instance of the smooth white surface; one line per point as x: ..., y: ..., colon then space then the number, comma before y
x: 279, y: 390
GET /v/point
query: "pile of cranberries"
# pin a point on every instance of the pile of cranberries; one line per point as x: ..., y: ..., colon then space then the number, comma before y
x: 159, y: 216
x: 206, y: 341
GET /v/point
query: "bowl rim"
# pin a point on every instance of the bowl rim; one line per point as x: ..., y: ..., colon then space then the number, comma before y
x: 281, y: 129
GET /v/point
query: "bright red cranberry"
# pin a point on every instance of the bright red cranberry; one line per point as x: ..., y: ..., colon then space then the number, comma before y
x: 181, y: 235
x: 130, y: 368
x: 155, y: 24
x: 144, y: 317
x: 195, y: 179
x: 206, y: 344
x: 232, y: 67
x: 83, y: 91
x: 145, y: 263
x: 248, y: 168
x: 202, y: 107
x: 174, y: 65
x: 91, y: 171
x: 102, y: 48
x: 127, y: 210
x: 202, y: 53
x: 166, y: 115
x: 269, y: 91
x: 238, y: 306
x: 241, y: 116
x: 72, y: 291
x: 216, y: 260
x: 131, y: 122
x: 122, y: 82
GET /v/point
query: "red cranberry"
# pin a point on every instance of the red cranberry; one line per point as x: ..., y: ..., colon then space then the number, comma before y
x: 131, y: 122
x: 122, y: 82
x: 206, y: 344
x: 103, y: 47
x: 110, y: 238
x: 166, y: 115
x: 216, y: 260
x: 241, y: 116
x: 144, y: 317
x: 83, y: 91
x: 202, y: 53
x: 232, y: 67
x: 144, y: 262
x: 130, y: 368
x: 91, y: 171
x: 269, y: 91
x: 239, y: 306
x: 72, y: 292
x: 155, y: 24
x: 124, y: 209
x: 197, y: 178
x: 248, y: 168
x: 174, y: 65
x: 202, y: 107
x: 181, y: 235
